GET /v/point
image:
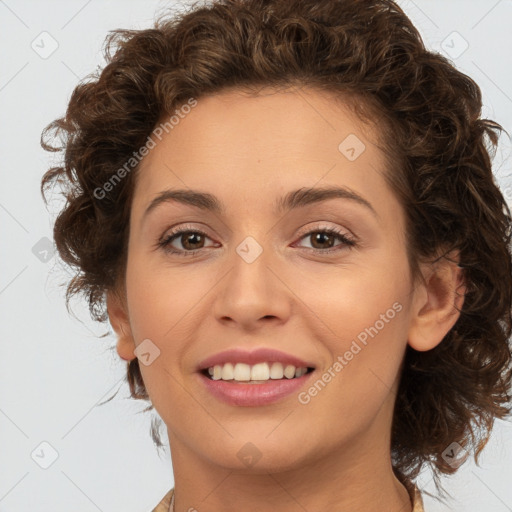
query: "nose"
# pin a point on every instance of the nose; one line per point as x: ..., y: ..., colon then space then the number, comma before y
x: 252, y: 293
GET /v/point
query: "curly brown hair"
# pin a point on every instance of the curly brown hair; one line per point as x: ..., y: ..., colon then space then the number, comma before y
x: 364, y: 51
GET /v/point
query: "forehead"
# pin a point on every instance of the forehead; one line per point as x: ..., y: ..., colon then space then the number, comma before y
x: 273, y: 136
x: 249, y: 153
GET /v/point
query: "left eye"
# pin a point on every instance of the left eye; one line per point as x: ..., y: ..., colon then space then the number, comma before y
x: 322, y: 236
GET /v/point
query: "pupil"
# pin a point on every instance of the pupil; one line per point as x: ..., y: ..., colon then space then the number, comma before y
x: 189, y: 239
x: 321, y: 235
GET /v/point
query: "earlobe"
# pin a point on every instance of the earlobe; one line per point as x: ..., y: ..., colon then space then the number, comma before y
x: 118, y: 316
x: 438, y: 302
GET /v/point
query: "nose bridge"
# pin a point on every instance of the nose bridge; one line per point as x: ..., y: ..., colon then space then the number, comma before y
x: 249, y: 280
x: 251, y: 290
x: 249, y: 250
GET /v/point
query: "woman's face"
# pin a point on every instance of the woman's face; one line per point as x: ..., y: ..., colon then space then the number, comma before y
x: 266, y: 275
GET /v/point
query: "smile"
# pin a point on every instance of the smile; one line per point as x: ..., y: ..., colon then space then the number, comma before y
x: 272, y: 376
x: 261, y: 372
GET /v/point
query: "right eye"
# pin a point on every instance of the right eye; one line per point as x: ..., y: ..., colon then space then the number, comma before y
x: 187, y: 238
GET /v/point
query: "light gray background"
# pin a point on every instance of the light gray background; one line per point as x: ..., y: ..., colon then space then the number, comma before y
x: 54, y: 371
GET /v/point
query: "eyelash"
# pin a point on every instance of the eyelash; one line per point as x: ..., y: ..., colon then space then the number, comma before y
x: 164, y: 243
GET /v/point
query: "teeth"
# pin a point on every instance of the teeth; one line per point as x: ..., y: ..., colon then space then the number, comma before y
x: 299, y: 372
x: 242, y: 372
x: 217, y: 372
x: 289, y: 371
x: 276, y: 371
x: 260, y: 371
x: 227, y: 371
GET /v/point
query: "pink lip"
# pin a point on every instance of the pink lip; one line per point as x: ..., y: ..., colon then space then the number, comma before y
x: 260, y: 355
x: 253, y: 395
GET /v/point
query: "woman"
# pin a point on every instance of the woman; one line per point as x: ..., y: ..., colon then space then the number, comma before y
x: 286, y: 210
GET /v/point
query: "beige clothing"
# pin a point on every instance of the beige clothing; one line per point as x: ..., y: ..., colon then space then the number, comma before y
x: 165, y: 503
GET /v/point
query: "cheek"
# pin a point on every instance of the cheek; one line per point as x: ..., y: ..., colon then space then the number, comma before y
x: 361, y: 318
x: 166, y: 306
x: 161, y: 310
x: 349, y: 301
x: 365, y: 356
x: 162, y: 301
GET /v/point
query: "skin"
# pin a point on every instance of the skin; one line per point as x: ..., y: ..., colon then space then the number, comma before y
x: 332, y: 453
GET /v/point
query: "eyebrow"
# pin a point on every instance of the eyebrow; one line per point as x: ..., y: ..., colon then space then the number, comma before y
x: 292, y: 200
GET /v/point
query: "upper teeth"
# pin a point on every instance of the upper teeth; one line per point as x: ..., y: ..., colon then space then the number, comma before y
x: 260, y: 371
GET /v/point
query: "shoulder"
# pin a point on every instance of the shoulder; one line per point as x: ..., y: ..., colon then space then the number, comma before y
x: 417, y: 500
x: 164, y: 504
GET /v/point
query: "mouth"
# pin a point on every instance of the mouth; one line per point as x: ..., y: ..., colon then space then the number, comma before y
x: 272, y: 376
x: 260, y: 373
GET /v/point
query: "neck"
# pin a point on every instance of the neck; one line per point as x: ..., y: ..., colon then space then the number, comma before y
x: 356, y: 477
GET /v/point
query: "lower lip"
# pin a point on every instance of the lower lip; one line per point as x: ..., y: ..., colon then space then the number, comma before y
x: 251, y: 395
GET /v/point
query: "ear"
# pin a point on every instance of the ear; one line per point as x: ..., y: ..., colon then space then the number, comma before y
x: 437, y: 303
x: 118, y: 316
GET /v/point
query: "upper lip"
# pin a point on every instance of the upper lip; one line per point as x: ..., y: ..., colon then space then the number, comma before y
x: 252, y: 357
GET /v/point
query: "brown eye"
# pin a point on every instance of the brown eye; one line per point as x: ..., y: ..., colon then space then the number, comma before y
x: 190, y: 240
x: 324, y: 240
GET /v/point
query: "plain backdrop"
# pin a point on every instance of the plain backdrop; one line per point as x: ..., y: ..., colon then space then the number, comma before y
x: 59, y: 449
